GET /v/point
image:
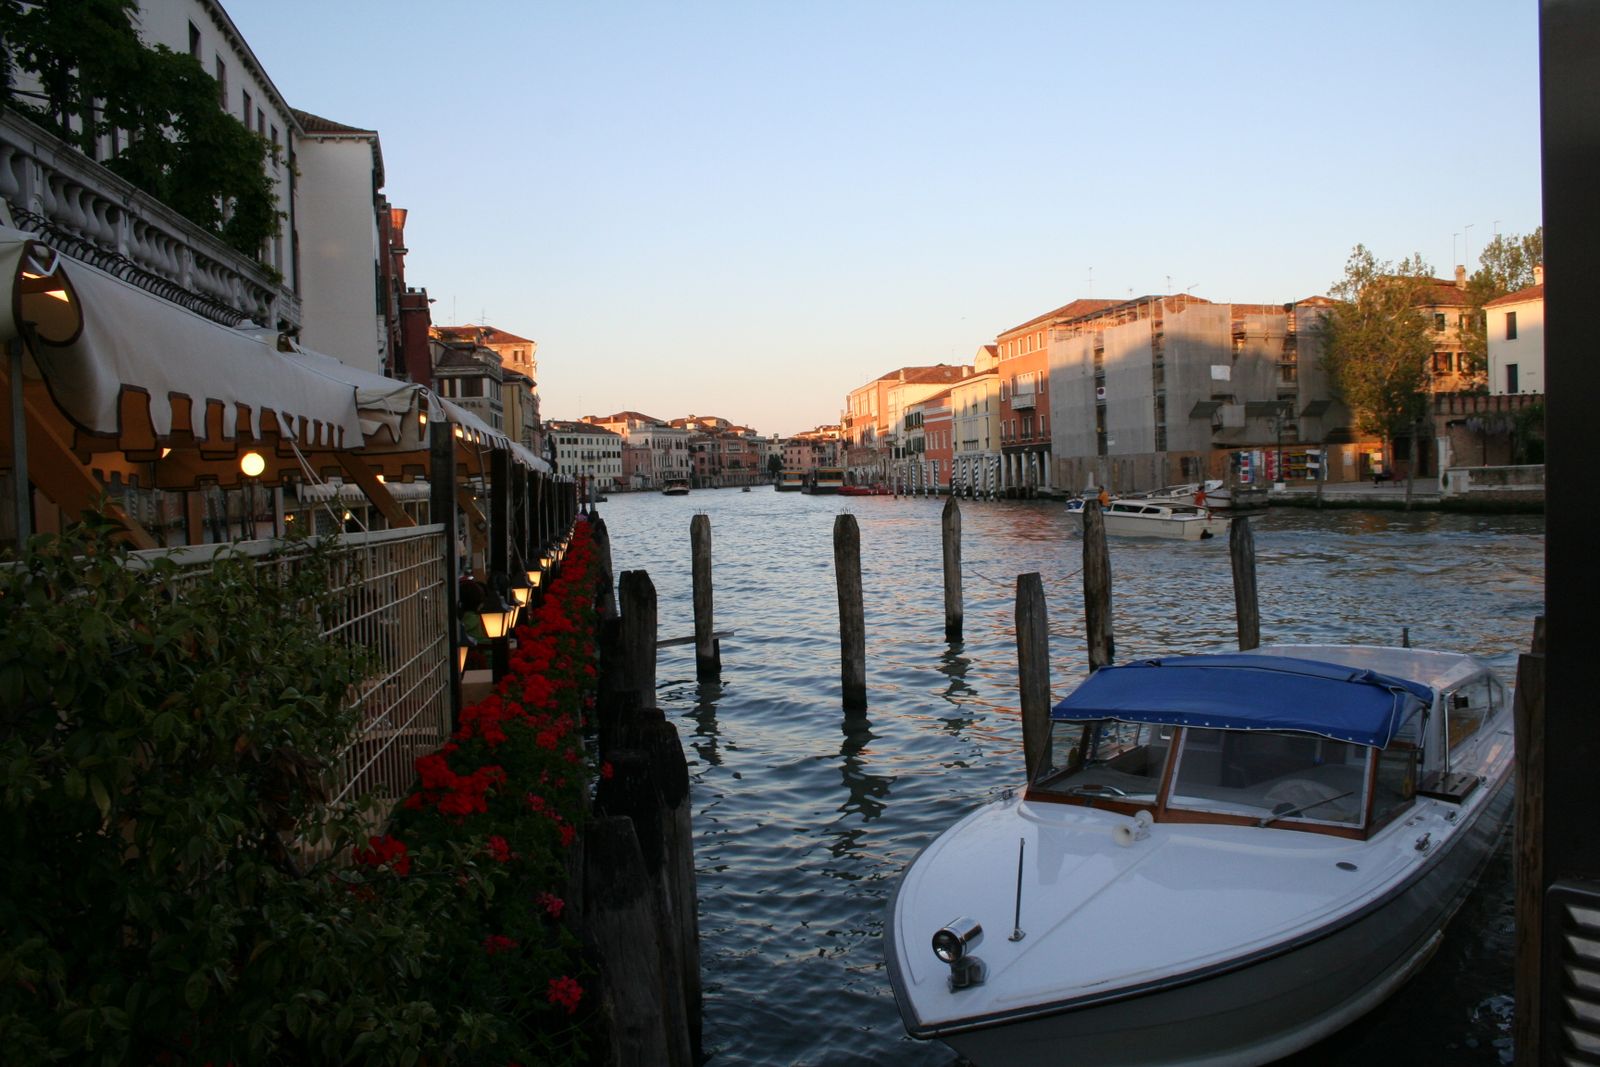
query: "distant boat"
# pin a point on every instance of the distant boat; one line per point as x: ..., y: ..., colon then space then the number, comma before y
x: 746, y: 489
x: 676, y: 487
x: 825, y: 480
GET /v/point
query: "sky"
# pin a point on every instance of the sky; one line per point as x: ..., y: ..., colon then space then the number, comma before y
x: 747, y: 209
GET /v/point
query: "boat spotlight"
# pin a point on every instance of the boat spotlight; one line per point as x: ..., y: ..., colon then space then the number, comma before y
x: 952, y: 945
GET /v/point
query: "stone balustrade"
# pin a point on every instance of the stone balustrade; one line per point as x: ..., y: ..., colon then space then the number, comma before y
x: 90, y: 213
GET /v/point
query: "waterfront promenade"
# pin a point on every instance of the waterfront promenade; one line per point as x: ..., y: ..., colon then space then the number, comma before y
x: 1424, y: 493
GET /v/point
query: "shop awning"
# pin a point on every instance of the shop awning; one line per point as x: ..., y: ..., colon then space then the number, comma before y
x: 140, y: 370
x: 475, y: 431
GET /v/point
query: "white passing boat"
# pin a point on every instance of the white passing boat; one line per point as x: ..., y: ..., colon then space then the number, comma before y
x: 1222, y: 860
x: 1158, y: 518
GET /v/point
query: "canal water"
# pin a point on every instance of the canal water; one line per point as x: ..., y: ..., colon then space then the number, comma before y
x: 804, y: 817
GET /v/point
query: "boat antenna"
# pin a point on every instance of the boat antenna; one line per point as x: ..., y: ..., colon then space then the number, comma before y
x: 1016, y: 921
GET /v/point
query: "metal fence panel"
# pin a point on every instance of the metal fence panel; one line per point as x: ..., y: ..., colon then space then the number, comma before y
x: 390, y: 599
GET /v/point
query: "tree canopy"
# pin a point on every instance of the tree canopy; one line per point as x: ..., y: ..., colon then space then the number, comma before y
x: 1376, y: 341
x: 94, y: 76
x: 1505, y: 266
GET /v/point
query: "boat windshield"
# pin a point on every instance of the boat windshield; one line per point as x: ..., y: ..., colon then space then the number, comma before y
x: 1269, y: 774
x: 1106, y: 759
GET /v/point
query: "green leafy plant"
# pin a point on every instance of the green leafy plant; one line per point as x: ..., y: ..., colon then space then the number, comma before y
x: 1376, y: 343
x: 165, y: 747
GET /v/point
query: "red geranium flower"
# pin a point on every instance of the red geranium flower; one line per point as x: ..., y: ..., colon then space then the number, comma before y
x: 565, y: 993
x: 495, y: 944
x: 385, y: 851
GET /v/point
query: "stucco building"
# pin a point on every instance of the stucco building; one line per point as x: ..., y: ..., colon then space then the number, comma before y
x: 1516, y: 339
x: 589, y: 452
x: 1160, y: 389
x: 653, y: 452
x: 1024, y: 415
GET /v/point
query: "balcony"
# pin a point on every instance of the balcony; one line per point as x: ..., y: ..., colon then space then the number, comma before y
x: 1021, y: 401
x: 86, y: 211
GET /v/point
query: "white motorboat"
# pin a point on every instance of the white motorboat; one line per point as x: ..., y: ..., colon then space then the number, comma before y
x: 1221, y: 860
x: 1162, y: 518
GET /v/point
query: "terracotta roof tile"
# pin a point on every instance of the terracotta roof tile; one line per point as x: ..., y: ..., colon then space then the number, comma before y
x: 1521, y: 296
x: 1065, y: 311
x: 1442, y: 293
x: 317, y: 124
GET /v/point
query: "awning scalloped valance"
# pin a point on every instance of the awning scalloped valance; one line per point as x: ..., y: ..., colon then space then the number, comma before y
x: 180, y: 364
x: 135, y: 373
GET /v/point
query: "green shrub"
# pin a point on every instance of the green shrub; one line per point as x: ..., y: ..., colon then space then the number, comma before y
x: 165, y: 739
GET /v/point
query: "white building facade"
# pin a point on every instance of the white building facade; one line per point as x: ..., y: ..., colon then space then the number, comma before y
x: 1515, y: 325
x: 588, y: 452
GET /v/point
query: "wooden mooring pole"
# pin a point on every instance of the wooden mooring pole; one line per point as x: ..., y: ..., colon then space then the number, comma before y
x: 1242, y: 551
x: 605, y: 597
x: 1097, y: 587
x: 1033, y: 669
x: 852, y: 620
x: 1527, y: 712
x: 950, y: 527
x: 649, y: 785
x: 623, y: 919
x: 707, y: 649
x: 637, y: 637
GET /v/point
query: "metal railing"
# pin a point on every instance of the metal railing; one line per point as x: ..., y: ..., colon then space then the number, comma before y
x: 389, y: 590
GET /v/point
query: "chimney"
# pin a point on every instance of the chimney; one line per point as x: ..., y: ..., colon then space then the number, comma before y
x: 1538, y: 274
x: 1461, y: 276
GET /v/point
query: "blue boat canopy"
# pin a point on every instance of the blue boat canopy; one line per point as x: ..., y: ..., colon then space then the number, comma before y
x: 1245, y: 692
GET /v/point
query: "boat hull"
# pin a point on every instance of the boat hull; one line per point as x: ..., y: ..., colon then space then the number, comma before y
x: 1196, y: 529
x: 1252, y: 1010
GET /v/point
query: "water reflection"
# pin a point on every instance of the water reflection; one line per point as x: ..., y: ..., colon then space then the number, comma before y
x: 954, y: 666
x: 704, y: 715
x: 866, y: 793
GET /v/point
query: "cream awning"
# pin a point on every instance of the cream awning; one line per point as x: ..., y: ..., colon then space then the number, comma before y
x: 476, y: 431
x: 140, y: 359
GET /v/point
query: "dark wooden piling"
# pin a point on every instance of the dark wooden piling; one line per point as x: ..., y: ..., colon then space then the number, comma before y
x: 1528, y: 876
x: 1242, y: 551
x: 634, y: 791
x: 1033, y: 669
x: 605, y: 597
x: 852, y: 620
x: 637, y: 636
x: 622, y: 915
x: 950, y: 526
x: 1097, y: 587
x: 707, y: 651
x: 670, y: 824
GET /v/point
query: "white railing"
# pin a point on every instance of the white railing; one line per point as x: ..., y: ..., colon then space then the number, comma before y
x: 91, y: 214
x: 1467, y: 481
x: 390, y: 590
